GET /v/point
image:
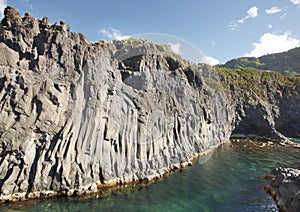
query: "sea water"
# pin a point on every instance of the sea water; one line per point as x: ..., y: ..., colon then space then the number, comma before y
x: 231, y: 180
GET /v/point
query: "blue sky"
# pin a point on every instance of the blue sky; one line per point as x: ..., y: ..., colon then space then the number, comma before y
x: 222, y: 30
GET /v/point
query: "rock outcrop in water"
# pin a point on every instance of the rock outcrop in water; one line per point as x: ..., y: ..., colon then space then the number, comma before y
x: 284, y: 186
x: 76, y: 116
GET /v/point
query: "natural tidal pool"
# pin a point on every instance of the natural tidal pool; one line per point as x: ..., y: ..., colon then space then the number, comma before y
x: 231, y: 180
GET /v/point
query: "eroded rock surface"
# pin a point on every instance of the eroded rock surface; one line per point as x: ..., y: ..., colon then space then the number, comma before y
x: 75, y: 116
x: 284, y: 186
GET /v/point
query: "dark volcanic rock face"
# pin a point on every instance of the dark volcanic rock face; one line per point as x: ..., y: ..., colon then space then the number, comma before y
x: 285, y: 188
x: 75, y: 115
x: 266, y: 103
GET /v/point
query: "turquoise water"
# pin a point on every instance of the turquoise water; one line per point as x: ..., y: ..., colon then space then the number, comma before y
x: 296, y: 140
x: 231, y: 180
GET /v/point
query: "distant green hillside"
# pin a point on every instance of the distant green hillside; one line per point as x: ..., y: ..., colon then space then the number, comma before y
x: 287, y: 63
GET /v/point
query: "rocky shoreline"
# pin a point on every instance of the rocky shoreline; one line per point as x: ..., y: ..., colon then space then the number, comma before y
x: 284, y: 186
x: 282, y: 182
x: 96, y: 188
x: 77, y: 116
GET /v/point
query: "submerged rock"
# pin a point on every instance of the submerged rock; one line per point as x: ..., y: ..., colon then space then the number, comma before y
x: 76, y: 116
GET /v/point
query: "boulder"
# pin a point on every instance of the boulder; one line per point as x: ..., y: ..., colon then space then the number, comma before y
x: 284, y: 186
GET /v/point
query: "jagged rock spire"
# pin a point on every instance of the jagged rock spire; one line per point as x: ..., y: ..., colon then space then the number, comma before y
x: 11, y: 16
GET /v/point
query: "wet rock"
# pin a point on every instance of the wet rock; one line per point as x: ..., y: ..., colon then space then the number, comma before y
x: 284, y: 186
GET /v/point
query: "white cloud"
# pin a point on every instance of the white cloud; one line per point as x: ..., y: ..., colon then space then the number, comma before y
x: 283, y: 16
x: 270, y: 26
x: 113, y: 34
x: 252, y: 13
x: 273, y: 10
x: 209, y: 60
x: 28, y: 4
x: 295, y: 1
x: 271, y: 43
x: 3, y: 4
x: 175, y: 47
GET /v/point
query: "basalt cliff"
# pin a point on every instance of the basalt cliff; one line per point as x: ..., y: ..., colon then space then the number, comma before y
x: 76, y: 116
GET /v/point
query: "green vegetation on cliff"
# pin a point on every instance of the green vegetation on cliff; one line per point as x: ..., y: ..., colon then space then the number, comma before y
x: 286, y: 63
x: 257, y: 83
